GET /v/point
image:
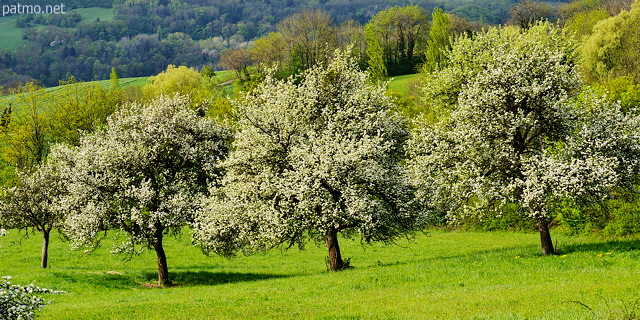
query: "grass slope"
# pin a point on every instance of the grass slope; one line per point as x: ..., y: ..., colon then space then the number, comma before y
x: 10, y: 35
x: 438, y: 276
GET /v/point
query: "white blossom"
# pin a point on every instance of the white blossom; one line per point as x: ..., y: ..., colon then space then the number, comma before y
x: 21, y: 302
x: 143, y: 174
x: 513, y: 129
x: 310, y: 160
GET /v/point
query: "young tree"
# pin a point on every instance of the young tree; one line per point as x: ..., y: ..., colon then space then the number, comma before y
x: 508, y: 132
x: 34, y: 203
x: 144, y: 174
x: 312, y: 160
x: 376, y: 68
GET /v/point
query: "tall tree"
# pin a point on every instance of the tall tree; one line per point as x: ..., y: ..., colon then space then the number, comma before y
x: 312, y: 160
x: 509, y: 133
x: 377, y: 69
x: 144, y: 175
x: 439, y: 41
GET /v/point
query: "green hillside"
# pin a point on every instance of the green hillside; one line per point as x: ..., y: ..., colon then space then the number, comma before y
x: 10, y: 35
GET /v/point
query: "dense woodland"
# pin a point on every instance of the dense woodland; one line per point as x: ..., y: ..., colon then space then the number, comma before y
x: 145, y: 36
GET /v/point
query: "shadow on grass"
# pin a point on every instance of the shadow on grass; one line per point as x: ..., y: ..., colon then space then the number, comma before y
x: 625, y: 245
x: 207, y: 278
x: 98, y: 279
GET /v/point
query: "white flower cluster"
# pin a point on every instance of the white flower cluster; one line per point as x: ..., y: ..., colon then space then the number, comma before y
x: 516, y: 130
x: 21, y: 302
x: 34, y: 202
x: 144, y: 173
x: 311, y: 159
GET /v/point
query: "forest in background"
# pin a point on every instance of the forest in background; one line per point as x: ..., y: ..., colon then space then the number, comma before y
x: 145, y: 36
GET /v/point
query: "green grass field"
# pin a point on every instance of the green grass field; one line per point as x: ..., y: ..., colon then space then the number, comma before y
x: 441, y: 275
x: 10, y: 35
x: 401, y: 84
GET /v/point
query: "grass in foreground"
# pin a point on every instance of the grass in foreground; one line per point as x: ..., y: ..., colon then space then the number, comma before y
x: 438, y: 276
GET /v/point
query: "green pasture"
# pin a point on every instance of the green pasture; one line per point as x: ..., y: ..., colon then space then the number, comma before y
x: 401, y: 84
x: 440, y: 275
x: 10, y: 35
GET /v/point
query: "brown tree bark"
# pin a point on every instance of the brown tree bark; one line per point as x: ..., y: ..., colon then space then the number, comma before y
x: 335, y: 258
x: 545, y: 236
x: 163, y: 269
x: 45, y: 248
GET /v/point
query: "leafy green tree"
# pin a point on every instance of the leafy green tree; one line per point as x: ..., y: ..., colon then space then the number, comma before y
x: 439, y: 42
x: 183, y: 81
x: 78, y: 107
x: 400, y: 31
x: 24, y: 142
x: 207, y: 71
x: 613, y: 49
x: 267, y: 53
x: 143, y: 174
x: 312, y: 160
x: 509, y: 132
x: 377, y: 69
x: 114, y: 82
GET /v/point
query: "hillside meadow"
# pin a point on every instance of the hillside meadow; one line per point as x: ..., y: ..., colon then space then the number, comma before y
x: 437, y: 275
x: 11, y: 36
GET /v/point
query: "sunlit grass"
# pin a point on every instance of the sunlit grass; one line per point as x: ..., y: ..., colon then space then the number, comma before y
x: 401, y: 84
x: 440, y: 275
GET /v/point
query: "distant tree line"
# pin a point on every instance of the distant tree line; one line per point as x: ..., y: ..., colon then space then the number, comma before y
x: 145, y: 36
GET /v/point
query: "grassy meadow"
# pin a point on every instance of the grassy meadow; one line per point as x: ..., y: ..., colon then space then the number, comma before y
x: 440, y: 275
x: 10, y: 35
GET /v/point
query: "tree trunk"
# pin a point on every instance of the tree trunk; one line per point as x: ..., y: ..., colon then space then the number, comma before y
x: 335, y: 258
x: 545, y: 236
x: 163, y: 269
x: 45, y: 248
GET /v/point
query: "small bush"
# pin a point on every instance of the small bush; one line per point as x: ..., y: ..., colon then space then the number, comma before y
x: 20, y: 302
